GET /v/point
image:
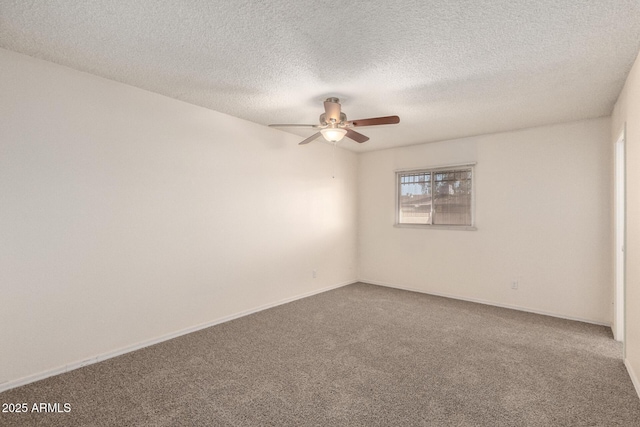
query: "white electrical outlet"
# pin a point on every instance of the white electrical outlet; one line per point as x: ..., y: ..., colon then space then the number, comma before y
x: 514, y: 284
x: 314, y: 274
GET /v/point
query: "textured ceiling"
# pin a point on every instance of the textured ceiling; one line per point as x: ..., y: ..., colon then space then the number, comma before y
x: 448, y: 68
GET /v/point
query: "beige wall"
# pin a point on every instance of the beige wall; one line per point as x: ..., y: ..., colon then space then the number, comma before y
x: 126, y: 216
x: 627, y: 112
x: 542, y: 217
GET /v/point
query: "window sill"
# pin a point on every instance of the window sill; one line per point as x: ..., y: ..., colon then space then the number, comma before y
x: 438, y: 227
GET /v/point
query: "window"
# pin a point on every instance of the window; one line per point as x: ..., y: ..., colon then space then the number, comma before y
x: 436, y: 197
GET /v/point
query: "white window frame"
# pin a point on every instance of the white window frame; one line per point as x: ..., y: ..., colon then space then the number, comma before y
x: 400, y: 172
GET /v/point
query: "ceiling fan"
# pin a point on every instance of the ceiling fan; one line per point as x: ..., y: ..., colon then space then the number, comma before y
x: 334, y: 125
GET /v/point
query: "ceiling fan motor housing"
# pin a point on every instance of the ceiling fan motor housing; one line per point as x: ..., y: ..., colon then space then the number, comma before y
x: 324, y: 122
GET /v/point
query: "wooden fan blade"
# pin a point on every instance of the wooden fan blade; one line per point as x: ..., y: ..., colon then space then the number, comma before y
x: 332, y: 109
x: 293, y: 126
x: 356, y: 136
x: 311, y: 138
x: 388, y: 120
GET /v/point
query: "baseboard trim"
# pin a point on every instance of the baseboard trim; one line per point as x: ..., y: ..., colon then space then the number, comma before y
x: 634, y: 378
x: 486, y: 302
x: 111, y: 354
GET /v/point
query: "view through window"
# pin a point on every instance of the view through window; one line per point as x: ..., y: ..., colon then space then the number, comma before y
x: 436, y: 196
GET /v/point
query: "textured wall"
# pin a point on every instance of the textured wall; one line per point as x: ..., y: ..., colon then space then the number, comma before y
x: 126, y: 216
x: 627, y: 111
x: 542, y: 218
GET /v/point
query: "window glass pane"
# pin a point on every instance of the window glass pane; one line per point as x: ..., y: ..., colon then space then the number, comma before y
x: 415, y: 199
x: 452, y: 198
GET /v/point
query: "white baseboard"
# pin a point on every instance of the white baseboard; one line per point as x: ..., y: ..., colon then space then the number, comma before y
x: 634, y: 378
x: 481, y: 301
x: 108, y: 355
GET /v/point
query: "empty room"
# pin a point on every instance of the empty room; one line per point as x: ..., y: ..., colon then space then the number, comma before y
x: 381, y: 213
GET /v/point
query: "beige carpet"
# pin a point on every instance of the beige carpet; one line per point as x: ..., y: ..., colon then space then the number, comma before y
x: 360, y: 355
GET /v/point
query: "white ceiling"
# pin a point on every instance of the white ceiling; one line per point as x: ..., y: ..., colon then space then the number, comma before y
x: 448, y: 68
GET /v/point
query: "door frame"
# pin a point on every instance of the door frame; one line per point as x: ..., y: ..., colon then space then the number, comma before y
x: 620, y: 237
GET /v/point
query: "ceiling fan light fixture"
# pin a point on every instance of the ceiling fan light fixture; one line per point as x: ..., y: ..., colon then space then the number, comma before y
x: 333, y: 134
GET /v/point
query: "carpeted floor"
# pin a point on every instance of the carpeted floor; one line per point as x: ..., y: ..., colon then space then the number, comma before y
x: 360, y: 355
